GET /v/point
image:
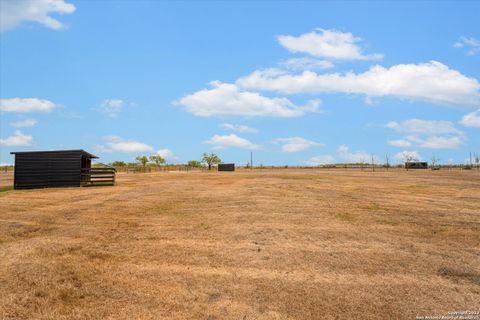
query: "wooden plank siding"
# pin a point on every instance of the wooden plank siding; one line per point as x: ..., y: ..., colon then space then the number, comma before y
x: 416, y: 165
x: 226, y: 167
x: 46, y: 169
x: 98, y: 176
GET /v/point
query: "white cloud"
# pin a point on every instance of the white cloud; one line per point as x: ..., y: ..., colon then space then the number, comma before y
x: 399, y: 143
x: 14, y: 12
x: 353, y: 157
x: 238, y: 128
x: 117, y: 144
x: 225, y: 99
x: 423, y: 126
x: 296, y: 144
x: 429, y: 142
x: 433, y: 82
x: 111, y: 107
x: 330, y: 44
x: 17, y: 140
x: 306, y: 63
x: 472, y: 119
x: 23, y: 105
x: 26, y: 123
x: 437, y: 142
x: 427, y: 134
x: 232, y: 140
x: 471, y: 43
x: 319, y: 160
x: 167, y: 154
x: 407, y: 156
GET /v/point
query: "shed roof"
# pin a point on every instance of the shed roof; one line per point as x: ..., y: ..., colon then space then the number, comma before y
x: 80, y: 151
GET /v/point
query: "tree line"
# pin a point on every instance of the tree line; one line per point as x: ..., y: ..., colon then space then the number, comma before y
x: 207, y: 160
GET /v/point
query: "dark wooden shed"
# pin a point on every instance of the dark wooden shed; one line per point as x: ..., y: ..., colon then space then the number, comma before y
x: 60, y: 168
x: 226, y: 167
x: 416, y: 165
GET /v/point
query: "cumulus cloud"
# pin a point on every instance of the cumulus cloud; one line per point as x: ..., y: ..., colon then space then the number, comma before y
x: 432, y: 82
x: 437, y: 142
x: 429, y: 142
x: 17, y: 140
x: 167, y: 154
x: 231, y: 141
x: 407, y: 156
x: 331, y: 44
x: 225, y: 99
x: 353, y: 157
x: 296, y: 144
x: 23, y: 105
x: 112, y: 107
x: 423, y: 126
x: 472, y: 119
x: 14, y: 12
x: 117, y: 144
x: 431, y: 134
x: 471, y: 44
x: 25, y: 123
x: 306, y: 63
x: 402, y: 143
x: 238, y: 128
x: 319, y: 160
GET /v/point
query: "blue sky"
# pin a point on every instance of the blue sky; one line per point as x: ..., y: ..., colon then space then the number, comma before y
x: 295, y: 82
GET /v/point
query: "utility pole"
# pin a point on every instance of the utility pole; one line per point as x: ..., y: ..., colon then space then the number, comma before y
x: 471, y: 164
x: 251, y: 160
x: 373, y: 163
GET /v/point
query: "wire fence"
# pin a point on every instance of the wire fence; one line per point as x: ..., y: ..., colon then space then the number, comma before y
x: 358, y: 167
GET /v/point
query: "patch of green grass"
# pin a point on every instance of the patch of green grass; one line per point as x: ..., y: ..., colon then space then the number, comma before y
x: 388, y: 221
x: 345, y: 216
x: 417, y: 186
x: 5, y: 189
x: 204, y: 226
x: 439, y: 229
x: 165, y: 208
x: 373, y: 206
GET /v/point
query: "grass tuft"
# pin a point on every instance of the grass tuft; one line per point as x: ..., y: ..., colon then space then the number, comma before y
x: 345, y: 216
x: 388, y: 221
x: 6, y: 188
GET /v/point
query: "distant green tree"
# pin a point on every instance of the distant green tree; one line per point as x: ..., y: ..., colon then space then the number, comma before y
x: 143, y: 160
x: 194, y: 164
x: 158, y: 160
x: 211, y: 159
x: 118, y: 164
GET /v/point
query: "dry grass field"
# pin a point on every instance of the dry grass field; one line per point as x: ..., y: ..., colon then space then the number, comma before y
x: 276, y: 244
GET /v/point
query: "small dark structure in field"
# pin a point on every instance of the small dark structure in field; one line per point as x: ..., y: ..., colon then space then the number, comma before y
x: 416, y: 165
x: 226, y: 167
x: 62, y: 168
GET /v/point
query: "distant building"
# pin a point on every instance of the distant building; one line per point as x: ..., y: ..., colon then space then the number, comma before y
x: 226, y: 167
x: 416, y: 165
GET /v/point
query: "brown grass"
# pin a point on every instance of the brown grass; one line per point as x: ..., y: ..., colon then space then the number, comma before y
x: 276, y: 244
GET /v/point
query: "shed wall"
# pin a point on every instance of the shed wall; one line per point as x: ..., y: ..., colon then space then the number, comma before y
x: 226, y: 167
x: 416, y: 165
x: 43, y: 170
